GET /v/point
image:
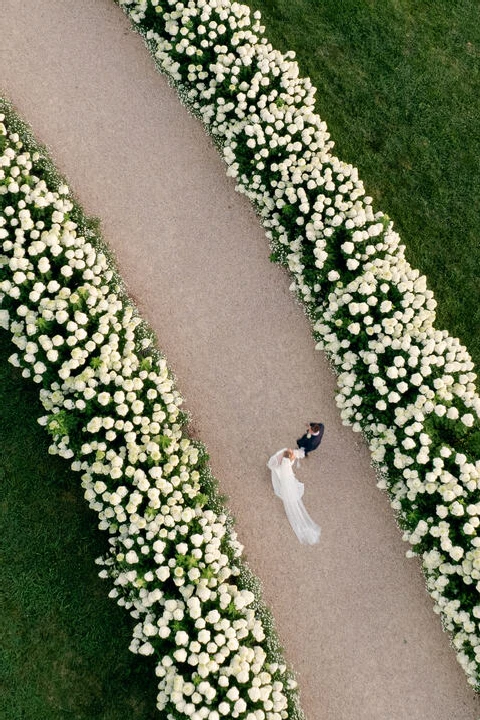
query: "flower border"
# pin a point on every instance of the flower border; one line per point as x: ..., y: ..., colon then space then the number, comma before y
x: 114, y: 412
x: 409, y: 387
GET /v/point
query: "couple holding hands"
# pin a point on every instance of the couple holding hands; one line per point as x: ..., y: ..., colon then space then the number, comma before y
x: 290, y: 490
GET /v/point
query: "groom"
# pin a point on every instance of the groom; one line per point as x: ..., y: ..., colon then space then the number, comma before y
x: 312, y: 438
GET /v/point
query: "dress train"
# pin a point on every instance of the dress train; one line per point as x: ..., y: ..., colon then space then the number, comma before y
x: 290, y: 491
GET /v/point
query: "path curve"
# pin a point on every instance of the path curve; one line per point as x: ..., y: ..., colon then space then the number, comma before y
x: 353, y: 614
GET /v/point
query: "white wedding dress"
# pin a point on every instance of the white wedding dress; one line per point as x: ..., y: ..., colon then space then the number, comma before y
x: 290, y: 490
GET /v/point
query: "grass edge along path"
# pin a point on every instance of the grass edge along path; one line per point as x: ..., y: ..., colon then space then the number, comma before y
x: 409, y: 387
x: 113, y: 411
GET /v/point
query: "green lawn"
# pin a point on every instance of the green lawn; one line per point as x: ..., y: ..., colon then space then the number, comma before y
x: 64, y: 642
x: 399, y: 87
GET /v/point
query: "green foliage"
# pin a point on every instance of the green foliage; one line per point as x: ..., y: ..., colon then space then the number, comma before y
x: 163, y: 441
x: 62, y: 423
x: 43, y: 325
x: 399, y: 87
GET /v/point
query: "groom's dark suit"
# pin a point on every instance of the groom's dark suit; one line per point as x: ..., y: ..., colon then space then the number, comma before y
x: 312, y: 442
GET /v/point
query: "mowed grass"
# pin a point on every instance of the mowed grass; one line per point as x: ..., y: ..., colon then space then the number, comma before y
x: 64, y: 642
x: 399, y: 87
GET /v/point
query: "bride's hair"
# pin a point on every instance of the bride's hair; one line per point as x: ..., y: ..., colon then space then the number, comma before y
x: 288, y: 453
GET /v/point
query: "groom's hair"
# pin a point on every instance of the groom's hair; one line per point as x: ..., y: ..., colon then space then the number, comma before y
x: 315, y: 427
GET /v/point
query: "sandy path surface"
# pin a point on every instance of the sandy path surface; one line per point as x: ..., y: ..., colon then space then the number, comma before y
x: 352, y: 613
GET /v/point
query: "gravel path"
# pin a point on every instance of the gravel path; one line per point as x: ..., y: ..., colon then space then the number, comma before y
x: 352, y: 612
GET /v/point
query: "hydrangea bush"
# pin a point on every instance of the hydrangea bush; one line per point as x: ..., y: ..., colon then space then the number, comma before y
x: 113, y: 411
x: 409, y: 387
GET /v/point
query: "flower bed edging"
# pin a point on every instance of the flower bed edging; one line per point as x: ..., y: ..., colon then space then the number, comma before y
x: 409, y: 387
x: 114, y: 412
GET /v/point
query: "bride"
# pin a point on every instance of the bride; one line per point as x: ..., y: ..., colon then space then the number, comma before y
x: 290, y: 490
